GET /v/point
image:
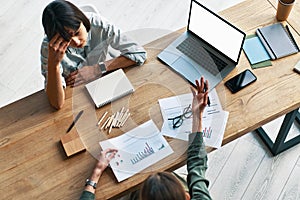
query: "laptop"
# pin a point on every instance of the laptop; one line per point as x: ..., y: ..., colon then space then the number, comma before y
x: 210, y: 47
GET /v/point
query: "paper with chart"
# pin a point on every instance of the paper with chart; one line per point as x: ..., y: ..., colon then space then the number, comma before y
x: 137, y: 150
x: 214, y: 118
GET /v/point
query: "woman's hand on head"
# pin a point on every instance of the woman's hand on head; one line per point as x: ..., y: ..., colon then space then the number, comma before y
x: 57, y: 48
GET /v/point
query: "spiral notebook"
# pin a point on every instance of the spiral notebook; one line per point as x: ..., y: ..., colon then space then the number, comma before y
x: 278, y: 40
x: 109, y: 88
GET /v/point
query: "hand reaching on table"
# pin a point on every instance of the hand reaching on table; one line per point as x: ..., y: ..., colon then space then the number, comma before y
x: 104, y: 158
x: 83, y: 75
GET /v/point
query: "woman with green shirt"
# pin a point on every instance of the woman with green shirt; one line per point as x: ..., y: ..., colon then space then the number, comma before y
x: 166, y: 185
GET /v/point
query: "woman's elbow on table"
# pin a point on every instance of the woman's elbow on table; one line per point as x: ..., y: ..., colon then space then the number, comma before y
x: 56, y: 101
x: 57, y: 104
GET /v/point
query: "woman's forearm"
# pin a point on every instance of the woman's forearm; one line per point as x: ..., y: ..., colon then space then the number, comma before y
x: 197, y: 123
x: 54, y: 88
x: 118, y: 62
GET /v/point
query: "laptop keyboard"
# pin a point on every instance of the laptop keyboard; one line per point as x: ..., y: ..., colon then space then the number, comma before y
x: 190, y: 47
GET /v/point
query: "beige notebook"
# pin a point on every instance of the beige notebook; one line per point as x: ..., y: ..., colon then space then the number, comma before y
x: 109, y: 88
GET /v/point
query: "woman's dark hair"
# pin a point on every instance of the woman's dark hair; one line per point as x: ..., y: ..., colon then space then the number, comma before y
x: 162, y: 185
x: 60, y: 14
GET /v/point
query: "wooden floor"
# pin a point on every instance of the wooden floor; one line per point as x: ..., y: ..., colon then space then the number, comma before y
x: 242, y: 169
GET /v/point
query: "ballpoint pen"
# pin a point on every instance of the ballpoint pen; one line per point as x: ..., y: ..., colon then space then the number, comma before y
x: 75, y: 120
x: 205, y: 89
x: 292, y: 38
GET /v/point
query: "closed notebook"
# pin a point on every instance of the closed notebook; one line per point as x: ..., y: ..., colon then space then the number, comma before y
x: 278, y: 40
x: 109, y: 88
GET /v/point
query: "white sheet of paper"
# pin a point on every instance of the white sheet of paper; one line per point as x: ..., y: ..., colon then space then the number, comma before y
x: 214, y: 128
x: 137, y: 150
x: 214, y: 118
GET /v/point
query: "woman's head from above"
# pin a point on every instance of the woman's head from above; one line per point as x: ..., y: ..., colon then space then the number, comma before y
x: 64, y: 18
x: 163, y: 185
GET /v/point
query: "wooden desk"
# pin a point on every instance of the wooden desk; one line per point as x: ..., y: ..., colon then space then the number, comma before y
x: 276, y: 92
x: 33, y: 163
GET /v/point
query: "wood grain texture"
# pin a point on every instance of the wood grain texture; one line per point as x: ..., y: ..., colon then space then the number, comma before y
x: 264, y: 95
x: 273, y: 173
x: 257, y: 102
x: 292, y: 187
x: 294, y: 15
x: 72, y: 143
x: 34, y: 165
x: 234, y: 178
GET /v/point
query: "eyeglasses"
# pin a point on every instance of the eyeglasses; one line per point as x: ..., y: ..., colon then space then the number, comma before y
x: 178, y: 120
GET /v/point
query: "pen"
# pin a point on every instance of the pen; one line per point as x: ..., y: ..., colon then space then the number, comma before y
x: 291, y: 36
x: 75, y: 120
x: 205, y: 89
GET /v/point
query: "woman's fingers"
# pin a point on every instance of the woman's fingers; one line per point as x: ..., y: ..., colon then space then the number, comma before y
x: 58, y: 43
x: 110, y: 153
x: 193, y: 91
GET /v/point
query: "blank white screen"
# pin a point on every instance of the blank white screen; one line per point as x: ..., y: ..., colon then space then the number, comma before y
x: 216, y: 32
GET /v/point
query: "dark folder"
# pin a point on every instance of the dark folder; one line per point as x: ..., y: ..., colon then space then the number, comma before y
x: 277, y: 40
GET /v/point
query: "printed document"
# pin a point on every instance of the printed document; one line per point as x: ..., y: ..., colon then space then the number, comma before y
x: 214, y: 118
x: 137, y: 150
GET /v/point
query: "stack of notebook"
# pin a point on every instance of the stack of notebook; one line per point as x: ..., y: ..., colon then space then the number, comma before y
x: 270, y: 43
x: 278, y: 40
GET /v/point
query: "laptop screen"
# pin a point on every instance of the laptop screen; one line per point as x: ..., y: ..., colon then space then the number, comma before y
x: 215, y: 31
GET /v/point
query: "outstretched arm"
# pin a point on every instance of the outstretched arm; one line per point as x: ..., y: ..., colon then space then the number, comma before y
x: 200, y: 99
x: 89, y: 73
x: 197, y: 157
x: 105, y: 157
